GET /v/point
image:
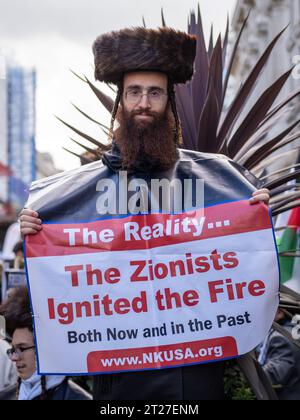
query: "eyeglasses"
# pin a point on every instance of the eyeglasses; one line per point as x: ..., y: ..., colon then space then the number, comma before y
x: 18, y: 351
x: 154, y: 96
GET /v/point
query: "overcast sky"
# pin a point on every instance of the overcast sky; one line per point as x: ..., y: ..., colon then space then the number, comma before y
x: 56, y: 35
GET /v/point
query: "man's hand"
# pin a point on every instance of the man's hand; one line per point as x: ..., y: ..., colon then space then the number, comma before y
x: 260, y: 195
x: 29, y: 222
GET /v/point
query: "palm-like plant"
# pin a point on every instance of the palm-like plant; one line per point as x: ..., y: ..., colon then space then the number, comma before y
x: 208, y: 127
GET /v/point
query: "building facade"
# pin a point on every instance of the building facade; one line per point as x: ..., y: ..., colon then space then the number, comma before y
x: 45, y: 165
x: 21, y: 87
x: 3, y: 130
x: 267, y: 19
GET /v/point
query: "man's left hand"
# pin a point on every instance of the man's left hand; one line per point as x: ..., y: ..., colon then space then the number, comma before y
x: 260, y: 195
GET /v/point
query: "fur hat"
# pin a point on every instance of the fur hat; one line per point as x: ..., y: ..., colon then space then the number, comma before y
x: 139, y: 49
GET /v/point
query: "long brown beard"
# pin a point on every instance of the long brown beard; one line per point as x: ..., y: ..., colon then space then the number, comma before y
x: 146, y: 145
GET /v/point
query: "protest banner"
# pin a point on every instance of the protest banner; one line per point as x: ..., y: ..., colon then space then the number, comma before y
x: 146, y: 291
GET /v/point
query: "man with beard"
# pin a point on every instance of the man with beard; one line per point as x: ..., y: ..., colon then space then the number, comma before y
x: 145, y: 64
x: 146, y: 136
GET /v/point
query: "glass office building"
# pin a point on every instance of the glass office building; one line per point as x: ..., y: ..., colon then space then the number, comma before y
x: 21, y: 87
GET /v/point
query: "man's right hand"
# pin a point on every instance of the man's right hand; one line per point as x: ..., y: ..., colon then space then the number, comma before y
x: 29, y: 222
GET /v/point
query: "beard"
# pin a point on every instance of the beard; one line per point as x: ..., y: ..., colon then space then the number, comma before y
x: 146, y: 145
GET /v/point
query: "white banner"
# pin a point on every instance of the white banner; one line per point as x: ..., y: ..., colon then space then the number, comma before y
x: 146, y: 292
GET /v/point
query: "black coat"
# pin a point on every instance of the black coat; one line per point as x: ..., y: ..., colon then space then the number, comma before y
x: 9, y: 393
x: 197, y: 382
x: 282, y: 365
x: 67, y: 390
x: 225, y: 180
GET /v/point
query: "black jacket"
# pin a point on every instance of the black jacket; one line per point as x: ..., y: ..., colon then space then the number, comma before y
x: 224, y: 181
x: 196, y: 382
x: 9, y: 393
x: 282, y: 365
x: 67, y: 390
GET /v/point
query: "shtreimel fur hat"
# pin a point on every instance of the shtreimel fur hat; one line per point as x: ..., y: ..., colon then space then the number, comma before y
x: 140, y: 49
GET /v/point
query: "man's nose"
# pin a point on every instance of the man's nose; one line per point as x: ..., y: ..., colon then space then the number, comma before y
x: 144, y: 102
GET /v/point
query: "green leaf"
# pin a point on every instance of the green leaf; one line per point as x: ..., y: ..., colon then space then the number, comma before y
x: 106, y: 101
x: 82, y: 158
x: 239, y: 102
x: 163, y: 22
x: 208, y: 122
x: 285, y: 208
x: 267, y: 162
x: 233, y: 56
x: 104, y: 127
x: 256, y: 115
x: 270, y: 147
x: 86, y: 136
x: 95, y: 152
x: 283, y: 179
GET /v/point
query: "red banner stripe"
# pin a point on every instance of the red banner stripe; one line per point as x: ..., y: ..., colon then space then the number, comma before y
x: 162, y: 356
x: 220, y: 220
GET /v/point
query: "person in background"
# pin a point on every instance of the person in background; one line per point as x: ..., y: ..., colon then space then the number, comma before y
x: 18, y: 249
x: 31, y: 385
x: 11, y: 238
x: 280, y: 359
x: 18, y: 261
x: 8, y: 374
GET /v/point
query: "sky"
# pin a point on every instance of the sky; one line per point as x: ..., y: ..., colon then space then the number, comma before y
x: 55, y: 36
